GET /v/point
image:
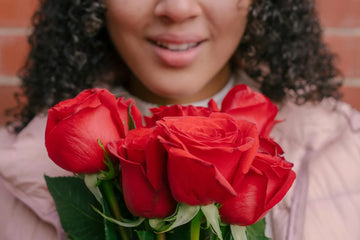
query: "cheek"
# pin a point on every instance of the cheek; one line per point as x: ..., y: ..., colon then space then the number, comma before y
x: 129, y: 10
x: 228, y: 28
x: 116, y: 15
x: 121, y: 22
x: 124, y: 15
x: 235, y: 17
x: 244, y: 5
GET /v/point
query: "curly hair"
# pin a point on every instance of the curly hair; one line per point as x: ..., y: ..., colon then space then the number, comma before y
x: 282, y: 49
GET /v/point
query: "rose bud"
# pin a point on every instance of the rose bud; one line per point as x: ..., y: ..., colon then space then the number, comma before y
x: 243, y: 103
x: 206, y: 154
x: 267, y: 182
x: 74, y: 127
x: 143, y: 174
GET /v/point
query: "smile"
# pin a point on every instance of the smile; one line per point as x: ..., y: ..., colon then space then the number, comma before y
x: 175, y: 51
x: 177, y: 47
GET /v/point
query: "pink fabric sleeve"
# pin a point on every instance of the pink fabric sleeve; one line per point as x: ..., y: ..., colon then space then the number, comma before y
x: 25, y: 197
x: 323, y: 142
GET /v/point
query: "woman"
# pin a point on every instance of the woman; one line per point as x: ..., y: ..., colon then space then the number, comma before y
x: 171, y: 51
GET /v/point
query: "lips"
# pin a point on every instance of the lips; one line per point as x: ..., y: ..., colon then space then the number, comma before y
x: 177, y: 51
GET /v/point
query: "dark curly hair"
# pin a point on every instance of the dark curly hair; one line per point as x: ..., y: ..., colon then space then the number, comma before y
x: 282, y: 49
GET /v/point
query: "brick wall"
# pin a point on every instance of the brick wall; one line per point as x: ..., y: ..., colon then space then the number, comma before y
x: 340, y: 21
x: 14, y: 27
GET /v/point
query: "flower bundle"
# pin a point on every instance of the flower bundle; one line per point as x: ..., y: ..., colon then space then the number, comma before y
x: 185, y: 172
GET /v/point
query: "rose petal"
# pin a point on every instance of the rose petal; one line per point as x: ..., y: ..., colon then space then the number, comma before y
x: 280, y: 177
x: 267, y: 182
x: 212, y: 105
x: 175, y: 111
x: 247, y: 207
x: 72, y: 143
x: 196, y: 182
x: 139, y: 195
x: 243, y: 103
x: 86, y: 99
x: 156, y: 162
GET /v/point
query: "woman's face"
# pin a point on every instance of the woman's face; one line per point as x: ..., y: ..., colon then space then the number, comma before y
x: 178, y: 50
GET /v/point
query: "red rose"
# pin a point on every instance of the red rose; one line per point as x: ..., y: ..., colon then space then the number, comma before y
x: 143, y: 174
x: 206, y: 155
x: 267, y: 182
x: 243, y: 103
x: 175, y: 111
x: 75, y: 125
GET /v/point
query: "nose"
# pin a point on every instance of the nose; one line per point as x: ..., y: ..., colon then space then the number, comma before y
x: 177, y: 10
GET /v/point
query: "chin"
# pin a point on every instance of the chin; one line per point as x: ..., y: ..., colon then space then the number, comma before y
x: 176, y: 94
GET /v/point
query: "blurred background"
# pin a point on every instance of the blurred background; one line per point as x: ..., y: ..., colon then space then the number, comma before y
x: 340, y: 20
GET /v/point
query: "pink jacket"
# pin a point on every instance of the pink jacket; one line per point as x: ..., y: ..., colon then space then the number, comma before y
x: 323, y: 142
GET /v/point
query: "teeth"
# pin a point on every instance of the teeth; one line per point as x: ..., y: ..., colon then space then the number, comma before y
x: 177, y: 47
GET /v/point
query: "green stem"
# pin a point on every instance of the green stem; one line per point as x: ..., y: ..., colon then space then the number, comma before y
x: 115, y: 209
x: 195, y: 226
x: 161, y: 236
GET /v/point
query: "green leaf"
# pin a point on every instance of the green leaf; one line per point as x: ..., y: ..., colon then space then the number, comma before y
x: 91, y: 181
x: 257, y: 231
x: 73, y: 200
x: 111, y: 171
x: 212, y: 216
x: 131, y: 122
x: 183, y: 215
x: 124, y: 223
x: 181, y: 232
x: 110, y: 228
x: 145, y: 235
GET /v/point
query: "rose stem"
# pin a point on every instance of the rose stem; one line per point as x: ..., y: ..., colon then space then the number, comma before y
x: 110, y: 196
x: 161, y: 236
x: 195, y: 226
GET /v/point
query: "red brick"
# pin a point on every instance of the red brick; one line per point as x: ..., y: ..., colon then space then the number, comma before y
x: 13, y: 51
x: 348, y: 50
x: 352, y: 96
x: 339, y: 13
x: 17, y: 13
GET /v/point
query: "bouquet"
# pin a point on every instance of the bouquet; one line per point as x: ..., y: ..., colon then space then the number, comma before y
x: 185, y: 172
